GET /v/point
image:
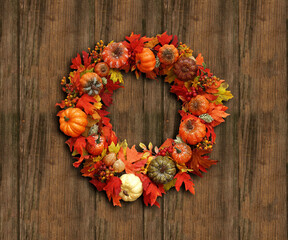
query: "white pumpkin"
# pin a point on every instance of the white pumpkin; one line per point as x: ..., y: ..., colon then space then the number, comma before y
x: 131, y: 187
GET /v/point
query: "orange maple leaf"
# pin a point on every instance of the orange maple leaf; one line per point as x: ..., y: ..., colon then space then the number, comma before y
x: 199, y: 59
x: 217, y: 112
x: 132, y: 161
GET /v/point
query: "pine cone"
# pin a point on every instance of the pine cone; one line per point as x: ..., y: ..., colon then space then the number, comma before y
x: 185, y: 69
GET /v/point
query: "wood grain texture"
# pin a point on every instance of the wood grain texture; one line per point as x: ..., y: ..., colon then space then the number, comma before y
x: 243, y: 197
x: 9, y: 121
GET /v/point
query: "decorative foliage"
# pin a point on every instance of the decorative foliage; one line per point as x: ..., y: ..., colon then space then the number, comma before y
x: 122, y: 172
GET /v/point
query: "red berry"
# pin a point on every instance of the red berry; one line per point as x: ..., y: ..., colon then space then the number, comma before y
x: 188, y: 98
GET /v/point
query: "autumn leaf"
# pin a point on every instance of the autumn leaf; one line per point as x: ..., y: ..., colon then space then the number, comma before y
x: 109, y: 134
x: 169, y: 185
x: 210, y: 133
x: 222, y: 93
x: 164, y: 38
x: 76, y: 62
x: 112, y: 86
x: 61, y: 104
x: 151, y: 75
x: 116, y: 76
x: 113, y: 188
x: 79, y: 144
x: 99, y: 185
x: 107, y: 98
x: 217, y: 112
x: 80, y: 160
x: 171, y: 76
x: 180, y: 91
x: 133, y: 162
x: 85, y: 102
x: 150, y: 190
x: 70, y: 142
x: 183, y: 177
x: 200, y: 162
x: 105, y: 120
x: 152, y: 43
x: 135, y: 43
x: 199, y: 59
x: 168, y: 142
x: 86, y: 59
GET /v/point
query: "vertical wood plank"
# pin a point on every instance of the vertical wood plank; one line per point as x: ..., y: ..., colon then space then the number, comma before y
x: 55, y: 202
x: 263, y: 120
x: 209, y: 27
x: 113, y: 21
x: 9, y: 121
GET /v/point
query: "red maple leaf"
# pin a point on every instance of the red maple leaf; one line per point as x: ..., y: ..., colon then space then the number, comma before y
x: 199, y: 59
x: 70, y: 142
x: 80, y: 160
x: 110, y: 86
x: 199, y: 161
x: 113, y: 188
x: 150, y: 190
x: 180, y: 91
x: 105, y: 120
x: 166, y: 39
x: 169, y: 142
x: 106, y: 97
x: 76, y: 62
x: 132, y: 161
x: 61, y: 104
x: 217, y: 112
x: 135, y: 43
x: 98, y: 184
x: 210, y: 132
x: 109, y: 134
x: 183, y: 177
x: 84, y: 102
x: 86, y: 59
x: 151, y: 75
x: 79, y: 144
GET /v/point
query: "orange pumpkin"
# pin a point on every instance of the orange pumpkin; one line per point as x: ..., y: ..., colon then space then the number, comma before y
x: 168, y: 54
x: 145, y: 60
x: 115, y: 55
x: 192, y: 130
x: 181, y: 153
x: 102, y: 69
x: 73, y: 121
x: 91, y: 83
x: 96, y: 146
x: 198, y: 105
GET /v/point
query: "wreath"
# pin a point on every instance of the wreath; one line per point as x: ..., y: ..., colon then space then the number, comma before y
x: 126, y: 173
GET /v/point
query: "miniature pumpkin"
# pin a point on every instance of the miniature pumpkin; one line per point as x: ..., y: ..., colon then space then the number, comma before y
x: 96, y: 146
x: 192, y: 130
x: 109, y: 159
x: 198, y: 105
x: 91, y: 83
x: 161, y: 170
x: 73, y: 121
x: 119, y: 166
x: 115, y: 55
x: 181, y: 153
x: 185, y: 69
x: 131, y: 187
x: 168, y: 54
x: 102, y: 69
x: 145, y: 60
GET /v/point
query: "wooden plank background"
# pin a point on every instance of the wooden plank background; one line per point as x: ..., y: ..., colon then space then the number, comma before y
x: 244, y: 197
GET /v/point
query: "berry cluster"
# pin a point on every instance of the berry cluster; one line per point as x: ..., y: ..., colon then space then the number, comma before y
x: 164, y: 151
x: 205, y: 145
x: 104, y: 172
x: 97, y: 52
x: 71, y: 98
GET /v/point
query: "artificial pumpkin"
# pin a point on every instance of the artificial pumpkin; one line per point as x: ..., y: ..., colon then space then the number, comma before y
x: 119, y: 166
x: 185, y: 69
x: 192, y: 130
x: 131, y: 187
x: 145, y: 60
x: 115, y: 55
x: 73, y: 121
x: 91, y: 83
x: 198, y: 105
x: 181, y: 153
x: 161, y: 170
x: 96, y: 146
x: 168, y: 54
x: 102, y: 69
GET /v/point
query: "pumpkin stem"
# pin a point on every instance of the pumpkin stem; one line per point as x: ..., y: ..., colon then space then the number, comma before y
x: 126, y: 193
x: 189, y: 125
x: 178, y: 150
x: 98, y: 139
x: 66, y: 118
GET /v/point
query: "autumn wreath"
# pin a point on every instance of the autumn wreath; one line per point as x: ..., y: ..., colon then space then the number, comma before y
x: 123, y: 172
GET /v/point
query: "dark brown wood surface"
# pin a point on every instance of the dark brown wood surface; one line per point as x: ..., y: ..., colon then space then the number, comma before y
x: 243, y: 197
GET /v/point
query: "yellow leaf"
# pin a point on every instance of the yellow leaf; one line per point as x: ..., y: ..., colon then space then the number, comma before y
x: 223, y: 94
x: 143, y: 146
x: 170, y: 76
x: 146, y: 155
x: 152, y: 43
x: 116, y: 75
x: 150, y: 146
x: 169, y: 185
x: 113, y: 148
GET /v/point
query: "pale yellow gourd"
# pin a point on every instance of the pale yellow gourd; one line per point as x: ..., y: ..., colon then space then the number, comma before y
x: 131, y: 187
